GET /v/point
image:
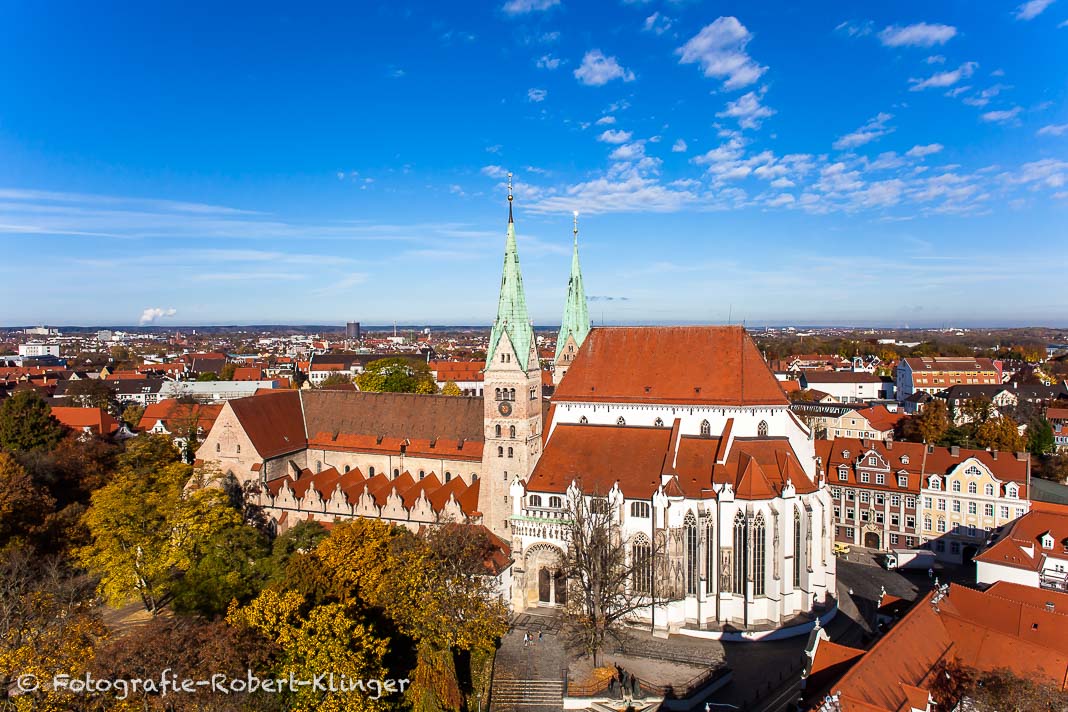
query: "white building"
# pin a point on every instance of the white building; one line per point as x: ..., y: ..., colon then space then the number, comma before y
x: 1032, y: 551
x: 38, y: 348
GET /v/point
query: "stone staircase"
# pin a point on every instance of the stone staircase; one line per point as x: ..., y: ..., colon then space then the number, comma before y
x: 522, y: 695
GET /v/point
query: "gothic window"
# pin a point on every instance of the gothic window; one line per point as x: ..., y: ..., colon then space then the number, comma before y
x: 706, y: 428
x: 690, y: 533
x: 500, y: 452
x: 584, y: 420
x: 710, y: 556
x: 448, y: 476
x: 659, y: 422
x: 762, y: 429
x: 639, y: 509
x: 759, y: 563
x: 370, y: 472
x: 218, y: 447
x: 510, y: 452
x: 497, y: 393
x: 620, y: 421
x: 641, y: 557
x: 739, y: 553
x: 396, y: 472
x: 347, y: 469
x: 534, y: 500
x: 497, y: 430
x: 511, y: 432
x: 797, y: 548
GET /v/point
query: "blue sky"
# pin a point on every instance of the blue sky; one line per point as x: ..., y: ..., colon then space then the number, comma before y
x: 836, y: 162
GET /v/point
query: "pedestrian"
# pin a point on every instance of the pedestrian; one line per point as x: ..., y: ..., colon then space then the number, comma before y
x: 526, y: 640
x: 539, y: 636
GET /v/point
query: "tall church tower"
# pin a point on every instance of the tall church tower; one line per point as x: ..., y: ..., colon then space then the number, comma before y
x: 575, y: 323
x: 511, y: 393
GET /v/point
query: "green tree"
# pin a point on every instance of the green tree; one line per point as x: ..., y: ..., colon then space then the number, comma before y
x: 1040, y: 436
x: 977, y: 410
x: 1000, y: 433
x: 230, y: 564
x: 207, y: 376
x: 90, y: 393
x: 451, y: 389
x: 227, y: 373
x: 335, y: 379
x: 133, y: 414
x: 26, y: 423
x: 397, y: 375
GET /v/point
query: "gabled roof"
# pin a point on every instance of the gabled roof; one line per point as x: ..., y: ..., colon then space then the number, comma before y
x: 97, y: 420
x: 400, y: 415
x: 713, y: 365
x: 1013, y: 545
x: 273, y: 421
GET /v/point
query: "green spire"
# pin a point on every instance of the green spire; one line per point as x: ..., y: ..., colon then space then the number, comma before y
x: 576, y: 319
x: 512, y: 317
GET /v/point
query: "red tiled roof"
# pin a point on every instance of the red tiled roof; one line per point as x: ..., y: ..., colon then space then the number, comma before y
x: 1011, y: 548
x: 881, y: 418
x: 97, y: 420
x: 1057, y: 414
x: 678, y: 364
x: 273, y: 421
x: 840, y: 377
x: 248, y: 373
x: 950, y: 363
x: 177, y: 415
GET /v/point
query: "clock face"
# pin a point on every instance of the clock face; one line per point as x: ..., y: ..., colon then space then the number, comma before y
x: 505, y: 408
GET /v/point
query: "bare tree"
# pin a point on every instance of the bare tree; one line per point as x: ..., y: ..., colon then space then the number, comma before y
x: 610, y: 577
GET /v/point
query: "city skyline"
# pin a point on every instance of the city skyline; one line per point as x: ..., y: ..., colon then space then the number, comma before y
x: 771, y: 165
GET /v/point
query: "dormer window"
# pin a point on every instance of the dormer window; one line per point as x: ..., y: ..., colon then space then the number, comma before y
x: 904, y: 459
x: 935, y: 483
x: 845, y: 454
x: 1047, y: 541
x: 1010, y: 492
x: 902, y: 481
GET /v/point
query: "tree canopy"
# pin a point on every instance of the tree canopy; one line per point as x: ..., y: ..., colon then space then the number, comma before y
x: 27, y: 423
x: 397, y: 375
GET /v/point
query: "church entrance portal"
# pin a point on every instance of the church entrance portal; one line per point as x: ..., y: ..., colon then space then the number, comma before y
x: 871, y: 540
x: 552, y: 587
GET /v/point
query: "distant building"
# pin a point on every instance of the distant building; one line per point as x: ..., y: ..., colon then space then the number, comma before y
x: 848, y: 386
x: 213, y: 391
x: 877, y: 421
x: 467, y: 375
x: 1058, y: 418
x: 935, y: 374
x: 38, y: 348
x: 352, y: 330
x: 90, y: 421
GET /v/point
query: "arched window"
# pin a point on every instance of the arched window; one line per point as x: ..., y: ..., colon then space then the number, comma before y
x: 500, y: 452
x: 448, y: 475
x: 584, y: 420
x: 972, y: 488
x: 533, y: 394
x: 497, y: 430
x: 239, y: 449
x: 396, y: 472
x: 511, y: 432
x: 689, y: 526
x: 598, y: 505
x: 509, y: 452
x: 989, y: 489
x: 347, y: 468
x: 422, y: 474
x: 371, y: 471
x: 218, y: 447
x: 706, y: 428
x: 956, y: 486
x: 739, y: 554
x: 534, y: 500
x: 497, y: 393
x: 762, y: 429
x: 797, y: 548
x: 620, y: 421
x: 710, y: 556
x: 556, y: 502
x: 474, y: 477
x: 659, y: 422
x: 759, y: 563
x: 641, y: 557
x: 511, y: 394
x: 639, y: 509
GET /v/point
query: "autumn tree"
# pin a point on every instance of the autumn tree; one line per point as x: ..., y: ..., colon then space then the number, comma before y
x: 227, y: 372
x: 90, y: 393
x: 929, y: 426
x: 335, y: 379
x: 602, y: 596
x: 1000, y: 433
x: 1040, y: 436
x: 957, y: 685
x: 977, y: 410
x: 27, y: 423
x: 451, y: 389
x: 132, y: 415
x: 23, y: 505
x: 397, y: 375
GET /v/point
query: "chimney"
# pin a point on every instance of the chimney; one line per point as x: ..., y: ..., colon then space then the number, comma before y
x: 954, y: 450
x: 994, y: 453
x: 890, y: 443
x: 1021, y: 456
x: 1050, y: 606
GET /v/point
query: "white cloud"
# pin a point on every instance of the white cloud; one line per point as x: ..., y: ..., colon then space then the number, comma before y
x: 494, y: 172
x: 873, y: 129
x: 921, y: 151
x: 154, y: 314
x: 1001, y: 116
x: 679, y: 146
x: 1032, y: 9
x: 855, y: 29
x: 720, y: 50
x: 657, y: 23
x: 920, y: 34
x: 614, y: 136
x: 1049, y: 172
x: 936, y: 59
x: 597, y: 69
x: 780, y: 200
x: 782, y: 183
x: 748, y: 110
x: 536, y: 95
x: 1053, y: 130
x: 629, y: 151
x: 983, y: 98
x: 547, y: 61
x: 944, y: 79
x: 605, y: 121
x: 521, y: 7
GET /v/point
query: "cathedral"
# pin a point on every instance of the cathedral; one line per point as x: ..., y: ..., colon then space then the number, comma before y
x: 683, y: 432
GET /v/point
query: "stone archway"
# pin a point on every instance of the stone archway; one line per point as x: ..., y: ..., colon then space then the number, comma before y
x: 871, y: 540
x: 544, y: 582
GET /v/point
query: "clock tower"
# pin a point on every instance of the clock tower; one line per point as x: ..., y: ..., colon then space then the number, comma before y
x: 512, y: 394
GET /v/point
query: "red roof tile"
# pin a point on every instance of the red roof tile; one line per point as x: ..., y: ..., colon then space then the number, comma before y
x: 97, y: 420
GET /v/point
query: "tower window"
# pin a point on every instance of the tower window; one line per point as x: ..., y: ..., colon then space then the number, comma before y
x: 511, y: 432
x: 497, y: 393
x: 659, y: 422
x: 762, y: 429
x: 706, y: 428
x: 510, y: 452
x: 370, y: 472
x: 448, y: 476
x: 396, y: 471
x: 620, y: 421
x: 500, y: 452
x: 497, y: 430
x: 584, y: 420
x: 218, y: 447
